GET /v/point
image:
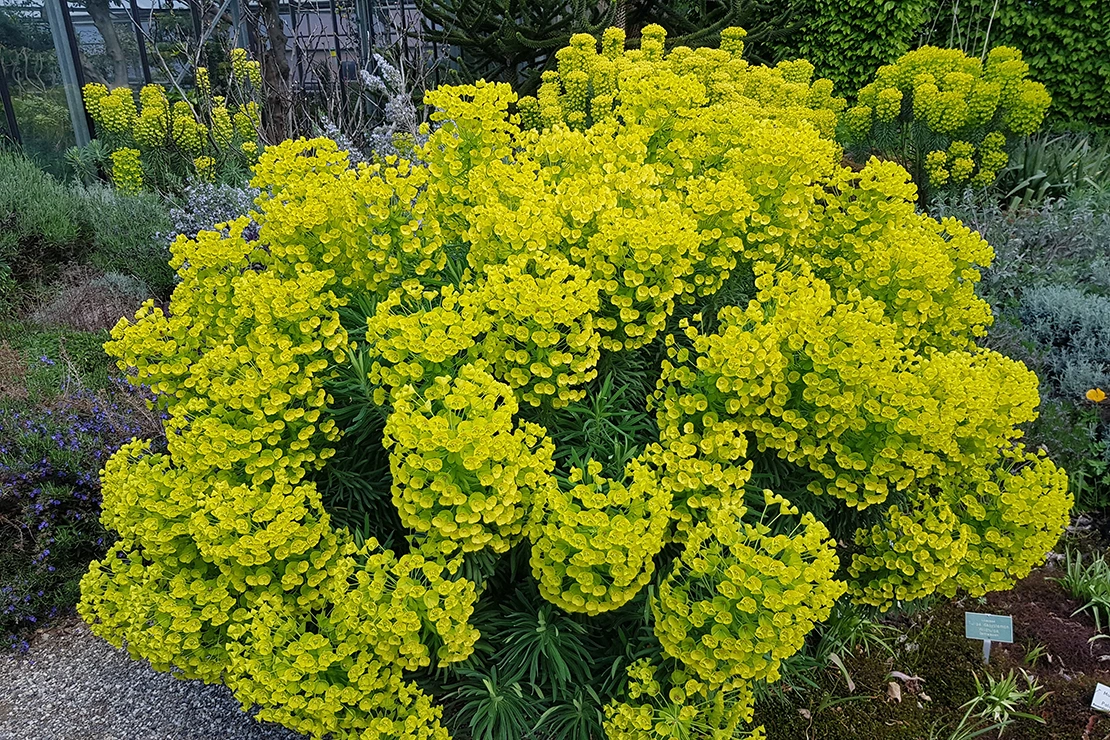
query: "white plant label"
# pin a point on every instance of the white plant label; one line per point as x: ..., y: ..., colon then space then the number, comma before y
x: 1102, y: 698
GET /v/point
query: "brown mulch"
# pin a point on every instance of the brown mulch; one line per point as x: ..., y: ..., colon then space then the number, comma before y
x: 932, y: 649
x: 1073, y: 664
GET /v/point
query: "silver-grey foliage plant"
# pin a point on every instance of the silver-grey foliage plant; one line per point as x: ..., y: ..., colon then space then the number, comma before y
x: 399, y: 112
x: 203, y: 205
x: 1073, y: 327
x: 1065, y: 240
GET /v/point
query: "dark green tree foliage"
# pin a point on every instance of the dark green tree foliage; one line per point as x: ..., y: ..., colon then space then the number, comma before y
x: 700, y: 22
x: 846, y: 40
x: 510, y: 40
x: 1065, y: 42
x: 21, y: 31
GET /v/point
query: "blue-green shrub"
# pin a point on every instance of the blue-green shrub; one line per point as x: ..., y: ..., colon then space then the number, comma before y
x: 1073, y: 328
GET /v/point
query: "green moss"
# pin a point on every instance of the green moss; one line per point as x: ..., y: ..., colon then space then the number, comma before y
x: 935, y: 649
x: 945, y: 658
x: 830, y: 711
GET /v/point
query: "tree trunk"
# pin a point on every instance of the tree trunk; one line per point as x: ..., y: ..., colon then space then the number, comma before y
x: 276, y: 67
x: 102, y: 19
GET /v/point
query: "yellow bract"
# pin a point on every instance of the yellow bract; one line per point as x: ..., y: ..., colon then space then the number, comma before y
x: 739, y: 600
x: 1015, y: 510
x: 690, y: 708
x: 542, y: 341
x: 127, y: 170
x: 464, y: 475
x: 910, y: 554
x: 592, y: 546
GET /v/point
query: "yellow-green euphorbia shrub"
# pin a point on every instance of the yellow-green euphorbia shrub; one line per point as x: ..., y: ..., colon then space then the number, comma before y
x: 180, y: 139
x: 948, y: 115
x: 527, y: 239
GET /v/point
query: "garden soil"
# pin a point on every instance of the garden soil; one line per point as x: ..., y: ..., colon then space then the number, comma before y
x: 932, y: 651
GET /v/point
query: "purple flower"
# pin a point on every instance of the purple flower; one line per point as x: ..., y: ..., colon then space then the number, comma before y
x: 50, y: 462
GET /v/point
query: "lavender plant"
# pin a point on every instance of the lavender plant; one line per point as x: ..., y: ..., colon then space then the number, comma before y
x: 126, y: 230
x: 50, y: 458
x: 1061, y: 240
x: 1073, y: 327
x: 46, y: 224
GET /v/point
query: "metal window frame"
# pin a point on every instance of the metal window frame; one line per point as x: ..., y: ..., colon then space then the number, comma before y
x: 12, y: 131
x: 73, y: 76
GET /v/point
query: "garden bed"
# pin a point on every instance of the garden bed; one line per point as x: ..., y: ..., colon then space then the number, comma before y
x: 619, y: 408
x: 1056, y: 647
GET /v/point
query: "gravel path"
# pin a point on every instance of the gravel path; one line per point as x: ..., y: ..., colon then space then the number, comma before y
x: 74, y: 686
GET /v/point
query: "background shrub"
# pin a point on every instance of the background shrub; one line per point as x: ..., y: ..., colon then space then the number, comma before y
x: 1064, y: 42
x: 88, y: 300
x: 1059, y: 240
x: 47, y: 224
x: 946, y: 116
x: 847, y: 40
x: 160, y: 144
x: 43, y: 223
x: 201, y: 205
x: 129, y: 236
x: 1074, y: 328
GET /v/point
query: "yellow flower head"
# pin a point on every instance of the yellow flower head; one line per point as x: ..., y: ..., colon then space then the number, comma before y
x: 204, y: 83
x: 206, y: 167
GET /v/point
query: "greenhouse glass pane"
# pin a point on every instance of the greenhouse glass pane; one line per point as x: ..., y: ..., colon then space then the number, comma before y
x: 34, y: 78
x: 107, y: 42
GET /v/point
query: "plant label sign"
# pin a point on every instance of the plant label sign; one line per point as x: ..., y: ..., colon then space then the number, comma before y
x: 994, y: 627
x: 1101, y: 700
x: 988, y: 628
